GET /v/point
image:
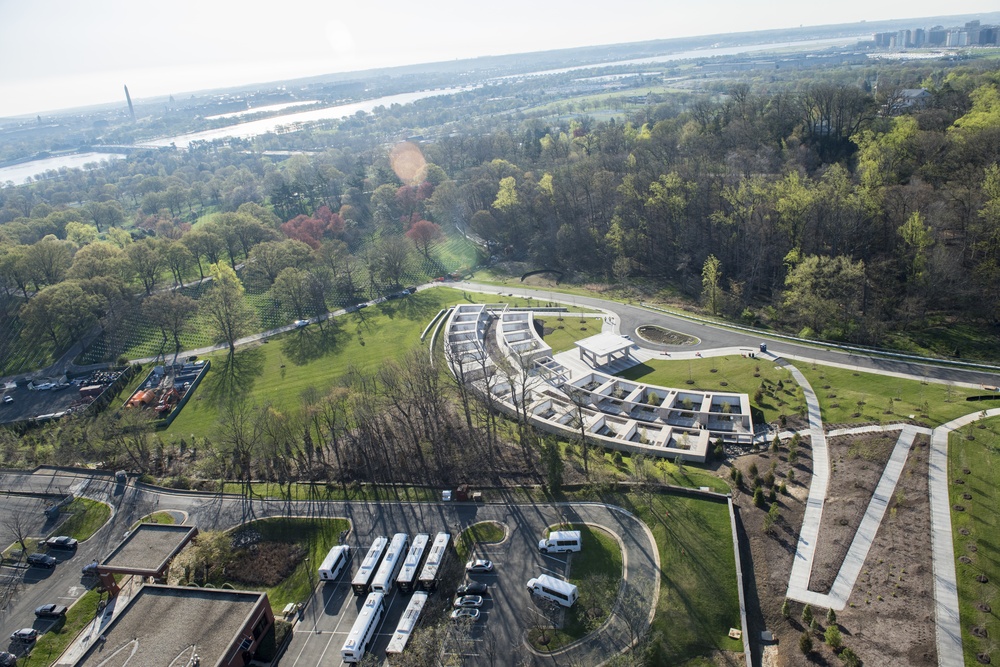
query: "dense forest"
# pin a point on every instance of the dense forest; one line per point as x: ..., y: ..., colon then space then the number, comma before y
x: 833, y: 206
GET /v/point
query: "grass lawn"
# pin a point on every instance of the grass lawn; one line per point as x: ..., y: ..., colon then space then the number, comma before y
x: 596, y: 571
x: 981, y: 521
x: 840, y: 389
x: 732, y: 374
x: 566, y: 331
x: 328, y: 492
x: 314, y: 358
x: 485, y: 532
x: 51, y: 644
x: 156, y: 517
x: 85, y: 518
x: 698, y: 599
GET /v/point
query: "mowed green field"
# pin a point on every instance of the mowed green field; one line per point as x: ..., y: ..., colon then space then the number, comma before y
x: 313, y: 359
x: 977, y: 561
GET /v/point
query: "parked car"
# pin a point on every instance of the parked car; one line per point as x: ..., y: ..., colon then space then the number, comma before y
x: 50, y: 611
x: 473, y: 588
x: 301, y: 323
x: 90, y: 569
x: 479, y: 565
x: 61, y: 542
x: 463, y: 613
x: 24, y: 635
x: 8, y: 398
x: 469, y: 601
x: 41, y: 560
x: 7, y: 659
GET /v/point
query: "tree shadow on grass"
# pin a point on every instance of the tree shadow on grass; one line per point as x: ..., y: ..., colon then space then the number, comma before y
x: 306, y: 345
x: 234, y: 375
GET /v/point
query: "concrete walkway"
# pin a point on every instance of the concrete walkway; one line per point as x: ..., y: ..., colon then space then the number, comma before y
x: 946, y: 615
x: 805, y: 551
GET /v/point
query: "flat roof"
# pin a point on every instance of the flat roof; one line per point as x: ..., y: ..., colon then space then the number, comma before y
x: 148, y: 548
x: 167, y: 625
x: 604, y: 344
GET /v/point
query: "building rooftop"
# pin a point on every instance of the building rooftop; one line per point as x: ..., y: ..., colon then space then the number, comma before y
x: 168, y: 625
x: 148, y: 549
x: 604, y: 344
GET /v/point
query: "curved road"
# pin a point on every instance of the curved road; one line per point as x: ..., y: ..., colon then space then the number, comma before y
x: 517, y: 557
x: 712, y: 336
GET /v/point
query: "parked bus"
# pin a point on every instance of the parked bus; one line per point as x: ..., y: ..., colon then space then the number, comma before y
x: 369, y: 565
x: 560, y: 541
x: 430, y: 575
x: 387, y: 571
x: 334, y: 563
x: 407, y: 578
x: 550, y: 588
x: 364, y: 629
x: 407, y: 624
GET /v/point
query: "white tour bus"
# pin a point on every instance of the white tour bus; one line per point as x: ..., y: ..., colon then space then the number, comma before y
x: 553, y: 589
x: 430, y: 575
x: 334, y: 563
x: 407, y: 624
x: 364, y: 629
x: 363, y: 578
x: 387, y: 571
x: 560, y: 541
x: 407, y: 578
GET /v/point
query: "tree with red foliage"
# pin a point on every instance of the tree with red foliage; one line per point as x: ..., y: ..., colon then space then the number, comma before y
x: 423, y: 233
x: 305, y: 229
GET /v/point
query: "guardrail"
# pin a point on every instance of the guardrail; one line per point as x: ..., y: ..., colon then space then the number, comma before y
x: 823, y: 343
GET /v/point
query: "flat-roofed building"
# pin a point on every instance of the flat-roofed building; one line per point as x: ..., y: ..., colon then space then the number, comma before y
x: 164, y: 626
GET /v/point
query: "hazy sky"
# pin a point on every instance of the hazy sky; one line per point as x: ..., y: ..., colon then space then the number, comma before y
x: 66, y: 53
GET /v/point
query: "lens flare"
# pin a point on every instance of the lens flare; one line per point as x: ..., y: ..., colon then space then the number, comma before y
x: 408, y: 162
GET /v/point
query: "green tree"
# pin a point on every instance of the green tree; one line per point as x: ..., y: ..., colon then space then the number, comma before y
x: 225, y: 307
x: 917, y: 239
x: 807, y: 614
x: 711, y: 277
x: 553, y: 464
x: 825, y: 294
x: 171, y: 312
x: 506, y: 198
x: 786, y: 609
x: 833, y: 638
x: 62, y: 313
x: 806, y: 642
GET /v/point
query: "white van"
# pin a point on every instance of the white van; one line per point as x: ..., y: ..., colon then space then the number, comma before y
x: 560, y: 541
x: 550, y: 588
x: 334, y: 563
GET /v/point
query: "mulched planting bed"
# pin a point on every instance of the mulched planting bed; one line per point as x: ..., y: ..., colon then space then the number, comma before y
x: 856, y: 465
x: 265, y: 563
x: 656, y: 334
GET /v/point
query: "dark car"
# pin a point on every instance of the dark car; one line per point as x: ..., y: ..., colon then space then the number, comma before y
x: 473, y: 588
x: 41, y: 560
x: 61, y: 542
x: 50, y: 611
x: 7, y: 659
x: 24, y: 635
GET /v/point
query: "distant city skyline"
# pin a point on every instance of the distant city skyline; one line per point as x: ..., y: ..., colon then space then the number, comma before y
x: 59, y: 54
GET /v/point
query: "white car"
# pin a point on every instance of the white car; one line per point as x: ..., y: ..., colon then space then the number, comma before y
x: 479, y: 565
x: 301, y: 323
x: 8, y: 399
x: 469, y: 601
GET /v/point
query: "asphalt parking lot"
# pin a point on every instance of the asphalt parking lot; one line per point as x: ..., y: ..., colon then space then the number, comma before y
x: 35, y: 586
x: 507, y: 612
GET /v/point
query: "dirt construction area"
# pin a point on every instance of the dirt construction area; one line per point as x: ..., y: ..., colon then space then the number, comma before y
x: 889, y: 618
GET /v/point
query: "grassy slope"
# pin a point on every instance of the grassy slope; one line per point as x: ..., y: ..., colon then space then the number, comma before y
x: 281, y: 370
x: 736, y: 372
x: 980, y: 518
x: 909, y: 397
x: 600, y: 556
x: 86, y: 518
x: 573, y: 329
x: 484, y: 532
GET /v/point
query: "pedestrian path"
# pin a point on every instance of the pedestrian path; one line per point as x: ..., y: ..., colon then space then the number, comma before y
x: 946, y: 616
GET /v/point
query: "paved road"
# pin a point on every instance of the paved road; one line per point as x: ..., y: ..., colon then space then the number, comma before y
x: 517, y: 558
x: 709, y: 337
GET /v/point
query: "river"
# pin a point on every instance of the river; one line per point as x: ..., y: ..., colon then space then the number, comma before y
x: 275, y: 124
x: 18, y: 173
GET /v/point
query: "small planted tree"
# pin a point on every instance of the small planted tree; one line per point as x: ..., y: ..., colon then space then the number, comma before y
x: 807, y: 614
x: 806, y: 642
x: 832, y: 637
x: 786, y: 609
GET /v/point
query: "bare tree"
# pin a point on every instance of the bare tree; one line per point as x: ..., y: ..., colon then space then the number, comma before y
x: 17, y: 526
